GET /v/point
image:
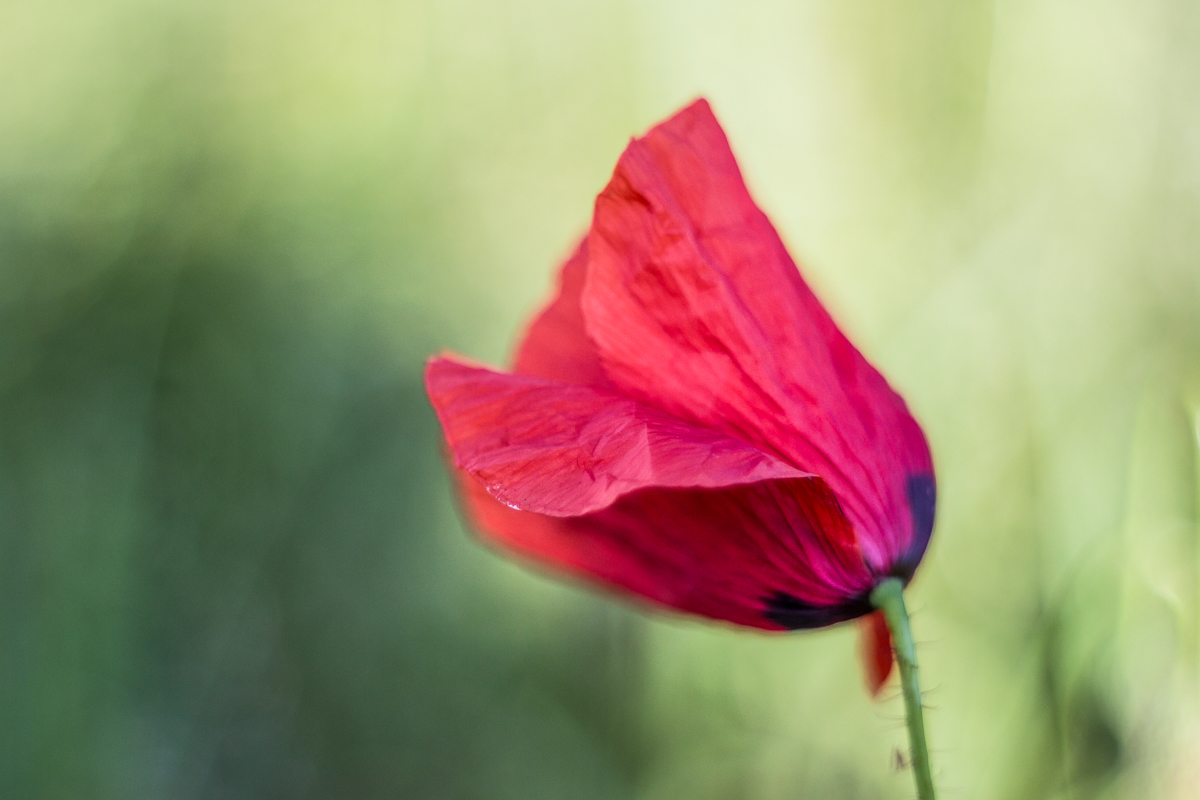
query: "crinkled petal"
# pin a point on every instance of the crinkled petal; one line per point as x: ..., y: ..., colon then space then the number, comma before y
x: 564, y: 450
x: 598, y: 484
x: 695, y: 308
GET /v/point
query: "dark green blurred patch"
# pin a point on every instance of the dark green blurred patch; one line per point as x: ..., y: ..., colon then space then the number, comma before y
x: 229, y: 564
x: 227, y: 572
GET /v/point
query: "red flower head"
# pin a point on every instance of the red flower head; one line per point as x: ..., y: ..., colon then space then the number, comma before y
x: 685, y: 422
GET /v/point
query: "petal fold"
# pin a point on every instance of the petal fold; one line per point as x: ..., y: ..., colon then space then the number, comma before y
x: 565, y: 450
x: 604, y: 487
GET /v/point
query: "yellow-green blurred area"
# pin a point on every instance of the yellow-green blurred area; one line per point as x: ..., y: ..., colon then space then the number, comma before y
x: 231, y: 232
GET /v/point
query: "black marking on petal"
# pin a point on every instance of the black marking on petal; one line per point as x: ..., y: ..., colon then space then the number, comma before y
x: 922, y: 503
x: 794, y: 614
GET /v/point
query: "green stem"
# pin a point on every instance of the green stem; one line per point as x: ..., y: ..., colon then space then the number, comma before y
x: 888, y: 597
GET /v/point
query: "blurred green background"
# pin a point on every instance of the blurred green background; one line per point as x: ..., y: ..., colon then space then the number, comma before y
x: 230, y: 233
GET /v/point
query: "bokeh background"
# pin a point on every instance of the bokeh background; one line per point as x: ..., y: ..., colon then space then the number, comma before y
x: 230, y: 233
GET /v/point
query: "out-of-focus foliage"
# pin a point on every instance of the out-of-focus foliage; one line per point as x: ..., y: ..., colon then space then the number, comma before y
x: 230, y: 565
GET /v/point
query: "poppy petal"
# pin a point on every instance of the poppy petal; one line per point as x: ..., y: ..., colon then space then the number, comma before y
x: 716, y: 553
x: 876, y: 646
x: 555, y: 345
x: 581, y: 478
x: 695, y: 308
x: 564, y: 450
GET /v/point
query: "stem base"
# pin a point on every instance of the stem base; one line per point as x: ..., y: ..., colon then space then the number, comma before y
x: 888, y: 597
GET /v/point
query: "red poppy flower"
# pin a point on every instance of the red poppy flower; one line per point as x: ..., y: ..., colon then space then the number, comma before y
x: 685, y: 422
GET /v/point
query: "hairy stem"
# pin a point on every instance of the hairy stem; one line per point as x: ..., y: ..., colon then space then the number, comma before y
x: 888, y: 597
